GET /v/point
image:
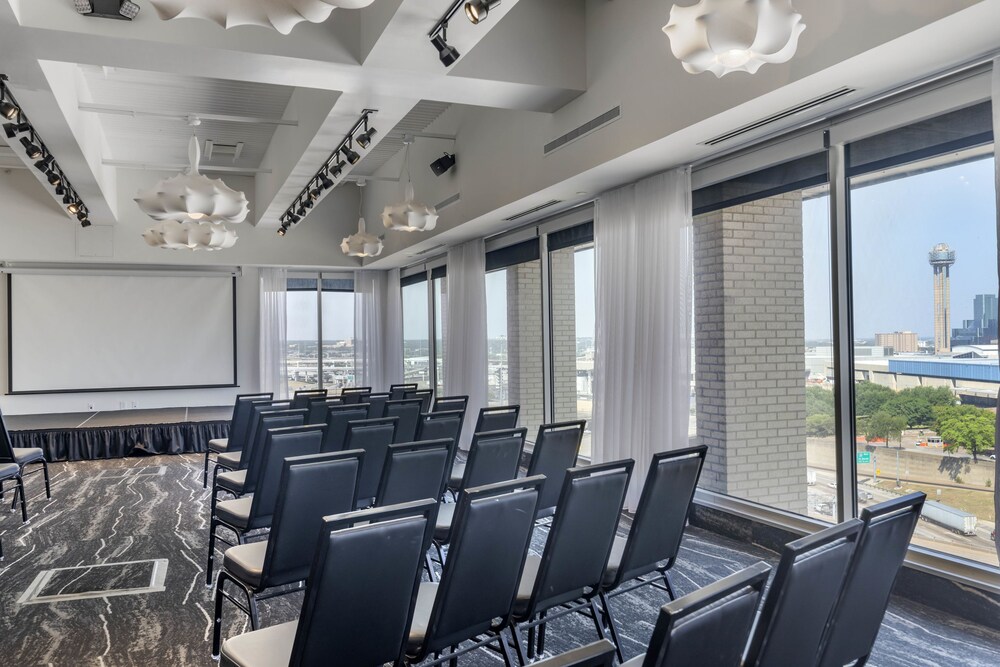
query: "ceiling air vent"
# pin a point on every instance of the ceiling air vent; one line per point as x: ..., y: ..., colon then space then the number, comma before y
x: 454, y: 199
x: 791, y: 111
x: 533, y: 210
x: 427, y: 251
x: 609, y: 116
x: 214, y: 149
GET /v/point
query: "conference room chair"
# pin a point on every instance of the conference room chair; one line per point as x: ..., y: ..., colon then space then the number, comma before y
x: 352, y: 395
x: 798, y: 603
x: 373, y: 436
x: 12, y: 471
x: 376, y: 404
x: 708, y: 627
x: 231, y: 460
x: 878, y: 557
x: 337, y: 419
x: 397, y: 392
x: 494, y: 456
x: 310, y: 487
x: 450, y: 404
x: 252, y: 509
x: 496, y: 418
x: 302, y: 397
x: 426, y: 396
x: 438, y: 425
x: 598, y: 654
x: 567, y: 577
x: 350, y: 563
x: 23, y: 457
x: 556, y: 450
x: 318, y: 407
x: 237, y: 429
x: 413, y: 471
x: 408, y: 412
x: 645, y: 557
x: 475, y: 598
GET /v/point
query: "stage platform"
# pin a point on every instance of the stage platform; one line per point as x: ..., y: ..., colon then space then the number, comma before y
x: 118, y: 433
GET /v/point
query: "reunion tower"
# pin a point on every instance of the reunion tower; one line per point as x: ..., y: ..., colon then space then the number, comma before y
x: 941, y: 258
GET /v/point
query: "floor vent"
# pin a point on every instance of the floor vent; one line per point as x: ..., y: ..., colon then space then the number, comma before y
x: 454, y: 199
x: 609, y: 116
x: 520, y: 215
x: 791, y: 111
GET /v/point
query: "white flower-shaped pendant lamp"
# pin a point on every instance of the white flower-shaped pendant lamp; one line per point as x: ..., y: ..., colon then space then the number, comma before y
x: 409, y: 216
x: 282, y: 15
x: 361, y: 244
x: 723, y: 36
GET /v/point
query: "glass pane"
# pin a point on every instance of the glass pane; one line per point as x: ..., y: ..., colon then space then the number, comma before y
x: 496, y: 335
x: 925, y: 332
x: 302, y: 332
x: 338, y: 341
x: 440, y: 303
x: 571, y: 272
x: 416, y: 341
x: 763, y: 351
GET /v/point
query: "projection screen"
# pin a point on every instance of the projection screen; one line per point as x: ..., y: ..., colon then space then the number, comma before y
x: 89, y: 332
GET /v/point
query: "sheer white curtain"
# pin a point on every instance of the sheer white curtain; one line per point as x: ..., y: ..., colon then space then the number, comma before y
x: 369, y: 329
x: 643, y: 243
x: 273, y: 333
x: 393, y: 331
x: 996, y: 167
x: 465, y: 360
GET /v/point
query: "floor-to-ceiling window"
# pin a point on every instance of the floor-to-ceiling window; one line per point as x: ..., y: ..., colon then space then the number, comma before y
x: 439, y: 285
x: 416, y: 331
x: 320, y: 331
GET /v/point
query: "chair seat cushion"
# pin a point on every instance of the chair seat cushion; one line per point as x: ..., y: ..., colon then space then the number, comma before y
x: 442, y: 527
x: 527, y: 583
x: 269, y: 647
x: 246, y: 562
x: 235, y: 512
x: 219, y: 445
x: 421, y: 615
x: 614, y: 561
x: 229, y: 460
x: 232, y: 481
x: 8, y: 470
x: 634, y: 662
x: 24, y: 455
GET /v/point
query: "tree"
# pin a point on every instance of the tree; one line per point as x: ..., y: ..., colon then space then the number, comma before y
x: 819, y: 401
x: 885, y: 425
x: 820, y: 425
x: 966, y: 426
x: 870, y: 397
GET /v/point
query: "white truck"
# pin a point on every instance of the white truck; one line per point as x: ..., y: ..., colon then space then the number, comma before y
x: 950, y: 517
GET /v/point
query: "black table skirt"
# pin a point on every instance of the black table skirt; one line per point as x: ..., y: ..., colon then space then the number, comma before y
x: 84, y: 444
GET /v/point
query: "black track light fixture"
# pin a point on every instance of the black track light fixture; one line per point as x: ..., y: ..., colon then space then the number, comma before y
x: 73, y: 207
x: 447, y: 54
x: 81, y: 215
x: 294, y: 218
x: 351, y: 156
x: 325, y: 182
x: 365, y: 138
x: 281, y: 231
x: 307, y: 202
x: 54, y: 177
x: 315, y: 193
x: 477, y: 10
x: 443, y: 164
x: 8, y: 107
x: 60, y: 190
x: 67, y: 198
x: 338, y: 169
x: 33, y: 151
x: 85, y: 223
x: 14, y: 129
x: 45, y: 164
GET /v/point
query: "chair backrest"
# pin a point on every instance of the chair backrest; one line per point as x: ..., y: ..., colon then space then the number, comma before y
x: 351, y: 395
x: 425, y: 396
x: 397, y: 392
x: 311, y: 487
x: 876, y: 562
x: 240, y: 422
x: 267, y: 421
x: 414, y: 471
x: 376, y: 404
x: 450, y: 404
x: 318, y: 407
x: 709, y: 627
x: 556, y: 449
x: 363, y: 586
x: 583, y: 532
x: 661, y: 515
x: 408, y: 411
x: 441, y: 425
x: 278, y: 444
x: 491, y: 532
x: 494, y: 457
x: 259, y: 412
x: 337, y: 419
x: 249, y: 431
x: 374, y: 437
x: 497, y: 418
x: 6, y: 444
x: 798, y: 603
x: 303, y: 396
x: 599, y: 654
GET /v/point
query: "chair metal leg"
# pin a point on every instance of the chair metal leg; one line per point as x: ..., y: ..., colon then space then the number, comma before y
x: 252, y: 606
x: 20, y: 490
x: 862, y: 661
x: 211, y: 551
x: 612, y: 628
x: 521, y: 659
x: 454, y: 658
x: 541, y: 636
x: 670, y: 589
x: 217, y: 623
x: 597, y: 618
x: 429, y: 564
x: 508, y: 659
x: 531, y: 642
x: 45, y: 474
x: 440, y: 553
x: 204, y: 477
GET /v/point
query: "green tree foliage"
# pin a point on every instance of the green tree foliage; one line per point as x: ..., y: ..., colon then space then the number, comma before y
x: 917, y: 404
x: 885, y: 425
x: 965, y: 426
x: 870, y: 397
x: 819, y: 401
x: 820, y: 425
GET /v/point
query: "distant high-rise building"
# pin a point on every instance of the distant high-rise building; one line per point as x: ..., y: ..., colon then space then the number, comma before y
x: 982, y: 328
x: 941, y: 258
x: 900, y: 341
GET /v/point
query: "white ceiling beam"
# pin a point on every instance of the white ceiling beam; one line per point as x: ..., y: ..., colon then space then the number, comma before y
x: 155, y: 166
x: 121, y: 110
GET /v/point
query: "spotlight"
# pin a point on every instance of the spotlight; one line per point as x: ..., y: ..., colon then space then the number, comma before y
x: 74, y: 207
x: 85, y: 223
x: 307, y: 202
x: 443, y: 164
x: 8, y: 110
x: 130, y: 10
x: 351, y: 156
x: 60, y: 190
x: 476, y: 10
x: 447, y: 54
x: 281, y: 231
x: 365, y: 138
x: 33, y: 151
x: 67, y: 198
x: 325, y: 182
x: 53, y: 177
x: 315, y: 193
x: 338, y: 170
x: 294, y: 218
x: 301, y: 210
x: 81, y: 215
x: 13, y: 129
x: 44, y: 164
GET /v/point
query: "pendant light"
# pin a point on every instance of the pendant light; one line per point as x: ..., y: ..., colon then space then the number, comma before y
x: 409, y: 216
x: 361, y: 244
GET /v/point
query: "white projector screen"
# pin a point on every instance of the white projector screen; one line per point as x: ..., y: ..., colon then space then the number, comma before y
x: 93, y: 332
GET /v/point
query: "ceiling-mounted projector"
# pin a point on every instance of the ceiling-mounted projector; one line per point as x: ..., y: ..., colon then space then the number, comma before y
x: 123, y: 10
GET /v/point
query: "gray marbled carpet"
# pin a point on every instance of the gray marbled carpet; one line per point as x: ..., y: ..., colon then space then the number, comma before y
x: 144, y: 511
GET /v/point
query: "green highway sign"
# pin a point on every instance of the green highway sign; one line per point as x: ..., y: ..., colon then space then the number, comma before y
x: 864, y: 457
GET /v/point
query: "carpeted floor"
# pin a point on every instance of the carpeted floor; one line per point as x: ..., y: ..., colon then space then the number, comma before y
x: 151, y: 514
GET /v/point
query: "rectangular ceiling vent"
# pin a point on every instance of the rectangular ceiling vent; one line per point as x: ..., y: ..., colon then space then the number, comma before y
x: 533, y: 210
x: 427, y: 251
x: 774, y: 118
x: 454, y: 199
x: 589, y: 127
x: 215, y: 149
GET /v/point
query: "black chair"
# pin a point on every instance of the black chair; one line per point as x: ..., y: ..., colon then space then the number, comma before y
x: 493, y: 457
x: 337, y: 419
x: 397, y: 392
x: 450, y: 404
x: 556, y: 450
x: 857, y: 616
x: 408, y: 411
x: 318, y: 407
x: 709, y: 627
x: 237, y: 430
x: 425, y: 396
x: 374, y: 437
x: 23, y: 457
x: 302, y: 397
x: 438, y: 425
x: 353, y: 395
x: 310, y: 487
x: 567, y: 577
x: 799, y: 601
x: 231, y: 460
x: 598, y: 654
x: 12, y: 471
x: 413, y: 471
x: 497, y: 418
x: 475, y: 596
x: 376, y: 404
x: 652, y: 545
x: 351, y: 563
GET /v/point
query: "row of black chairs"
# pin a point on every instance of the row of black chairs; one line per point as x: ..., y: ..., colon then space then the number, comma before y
x: 15, y: 464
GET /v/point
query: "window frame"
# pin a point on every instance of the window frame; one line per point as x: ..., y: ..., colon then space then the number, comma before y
x: 319, y: 278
